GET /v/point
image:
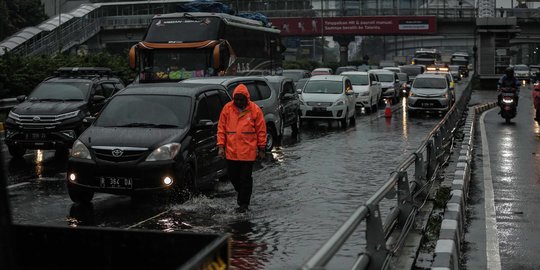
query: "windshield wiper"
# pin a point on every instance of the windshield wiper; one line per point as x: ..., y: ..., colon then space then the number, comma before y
x: 149, y: 125
x: 73, y: 99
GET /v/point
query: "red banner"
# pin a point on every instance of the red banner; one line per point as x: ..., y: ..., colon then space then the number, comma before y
x: 359, y: 26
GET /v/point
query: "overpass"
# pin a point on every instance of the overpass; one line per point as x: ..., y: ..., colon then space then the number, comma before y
x: 118, y: 25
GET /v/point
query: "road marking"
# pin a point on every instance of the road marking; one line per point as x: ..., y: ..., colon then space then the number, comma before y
x: 492, y: 240
x: 150, y: 218
x: 18, y: 185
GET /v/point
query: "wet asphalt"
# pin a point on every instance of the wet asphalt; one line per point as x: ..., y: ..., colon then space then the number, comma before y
x: 303, y: 191
x: 514, y: 154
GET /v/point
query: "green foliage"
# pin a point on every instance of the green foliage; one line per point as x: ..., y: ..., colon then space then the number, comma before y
x: 17, y: 14
x: 19, y: 75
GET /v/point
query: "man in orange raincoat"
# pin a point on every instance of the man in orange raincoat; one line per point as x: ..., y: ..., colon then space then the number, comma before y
x: 241, y: 139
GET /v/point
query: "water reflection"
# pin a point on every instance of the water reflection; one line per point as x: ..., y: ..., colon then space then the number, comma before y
x: 404, y: 118
x: 39, y: 163
x: 247, y: 253
x: 81, y: 215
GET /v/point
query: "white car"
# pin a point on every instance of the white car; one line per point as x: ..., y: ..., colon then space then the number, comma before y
x: 367, y: 90
x: 389, y: 83
x: 328, y: 97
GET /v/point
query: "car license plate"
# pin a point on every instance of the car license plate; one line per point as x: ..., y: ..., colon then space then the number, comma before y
x: 116, y: 182
x: 36, y: 136
x: 428, y: 104
x: 319, y: 108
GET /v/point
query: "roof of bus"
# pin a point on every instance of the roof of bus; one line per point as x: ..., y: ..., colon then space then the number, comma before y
x: 228, y: 19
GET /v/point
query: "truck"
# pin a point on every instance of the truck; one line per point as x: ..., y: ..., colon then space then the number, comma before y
x: 54, y: 247
x: 462, y: 60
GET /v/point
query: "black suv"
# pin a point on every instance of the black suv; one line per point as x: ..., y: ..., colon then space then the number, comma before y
x: 158, y: 137
x: 51, y: 116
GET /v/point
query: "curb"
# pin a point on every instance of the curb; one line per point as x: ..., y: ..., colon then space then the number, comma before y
x: 448, y: 248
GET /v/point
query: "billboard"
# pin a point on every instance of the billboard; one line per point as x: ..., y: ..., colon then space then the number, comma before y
x: 358, y: 26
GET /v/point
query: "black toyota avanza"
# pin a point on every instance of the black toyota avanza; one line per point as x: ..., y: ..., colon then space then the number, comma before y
x: 150, y: 138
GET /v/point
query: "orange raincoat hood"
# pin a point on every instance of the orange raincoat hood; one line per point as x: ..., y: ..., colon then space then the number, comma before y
x: 242, y: 89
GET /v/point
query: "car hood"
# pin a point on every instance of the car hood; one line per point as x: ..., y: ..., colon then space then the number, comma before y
x: 387, y: 84
x: 131, y: 137
x: 47, y: 107
x: 428, y: 92
x: 321, y: 97
x: 360, y: 88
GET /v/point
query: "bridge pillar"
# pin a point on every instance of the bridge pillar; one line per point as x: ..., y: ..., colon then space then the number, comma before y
x: 493, y: 44
x: 343, y: 42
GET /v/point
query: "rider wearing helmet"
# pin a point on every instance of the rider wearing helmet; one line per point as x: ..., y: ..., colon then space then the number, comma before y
x: 508, y: 80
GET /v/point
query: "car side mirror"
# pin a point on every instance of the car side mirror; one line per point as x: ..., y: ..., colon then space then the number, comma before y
x: 299, y: 91
x: 88, y: 121
x: 98, y: 99
x: 21, y: 98
x: 205, y: 123
x: 349, y: 92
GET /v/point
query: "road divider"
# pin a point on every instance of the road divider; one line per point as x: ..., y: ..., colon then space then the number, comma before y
x: 451, y: 234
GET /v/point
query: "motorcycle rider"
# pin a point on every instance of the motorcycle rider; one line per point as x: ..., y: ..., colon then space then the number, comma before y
x: 508, y: 80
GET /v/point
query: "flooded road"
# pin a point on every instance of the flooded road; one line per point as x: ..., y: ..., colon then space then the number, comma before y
x: 302, y: 192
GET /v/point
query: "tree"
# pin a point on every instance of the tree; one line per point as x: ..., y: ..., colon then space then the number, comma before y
x: 17, y: 14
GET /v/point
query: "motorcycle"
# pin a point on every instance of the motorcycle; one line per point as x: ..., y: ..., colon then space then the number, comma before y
x: 536, y: 101
x: 507, y: 103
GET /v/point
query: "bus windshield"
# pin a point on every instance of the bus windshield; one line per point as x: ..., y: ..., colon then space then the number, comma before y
x: 185, y: 29
x: 175, y: 64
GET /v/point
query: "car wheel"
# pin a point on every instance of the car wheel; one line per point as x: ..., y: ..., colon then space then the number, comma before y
x: 79, y: 195
x: 345, y: 120
x: 352, y: 120
x: 185, y: 189
x: 16, y: 151
x: 271, y: 138
x: 295, y: 127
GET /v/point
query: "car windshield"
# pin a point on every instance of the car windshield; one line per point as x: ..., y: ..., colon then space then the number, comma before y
x: 324, y: 87
x: 521, y: 68
x: 68, y: 91
x: 300, y: 83
x: 162, y: 111
x: 358, y: 79
x: 386, y: 77
x: 411, y: 71
x: 403, y: 77
x: 295, y: 75
x: 436, y: 83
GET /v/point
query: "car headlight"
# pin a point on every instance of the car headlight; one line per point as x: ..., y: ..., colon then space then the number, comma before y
x: 445, y: 95
x: 411, y: 94
x: 365, y: 94
x: 14, y: 116
x: 79, y: 150
x: 68, y: 115
x: 164, y: 152
x: 339, y: 102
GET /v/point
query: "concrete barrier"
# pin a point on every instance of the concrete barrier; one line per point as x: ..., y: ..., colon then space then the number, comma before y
x: 451, y: 234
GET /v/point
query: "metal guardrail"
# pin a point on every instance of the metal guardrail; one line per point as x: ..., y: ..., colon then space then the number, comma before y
x: 427, y: 159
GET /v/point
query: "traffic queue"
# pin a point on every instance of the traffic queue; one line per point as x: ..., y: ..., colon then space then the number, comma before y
x: 172, y: 145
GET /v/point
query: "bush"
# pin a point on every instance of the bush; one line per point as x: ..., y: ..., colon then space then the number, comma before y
x: 19, y: 75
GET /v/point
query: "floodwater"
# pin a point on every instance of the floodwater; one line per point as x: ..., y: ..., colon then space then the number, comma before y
x: 303, y: 192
